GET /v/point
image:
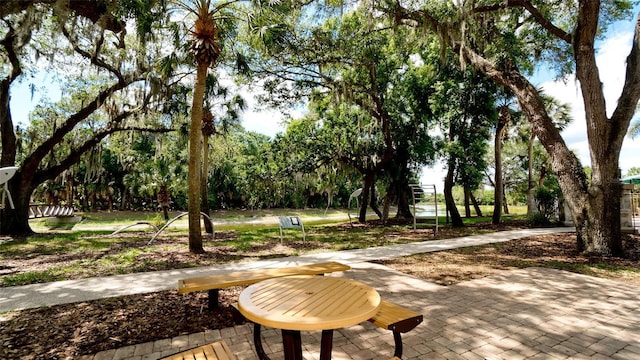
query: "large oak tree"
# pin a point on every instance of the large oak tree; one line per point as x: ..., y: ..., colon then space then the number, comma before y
x: 87, y: 48
x: 504, y: 39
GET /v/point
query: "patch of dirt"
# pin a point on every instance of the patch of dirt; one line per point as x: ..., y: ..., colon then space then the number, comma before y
x: 552, y: 250
x: 71, y: 330
x: 68, y: 331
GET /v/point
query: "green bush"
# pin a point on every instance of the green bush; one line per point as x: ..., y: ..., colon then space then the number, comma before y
x: 538, y: 219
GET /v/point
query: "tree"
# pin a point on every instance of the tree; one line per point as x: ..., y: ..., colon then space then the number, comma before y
x: 505, y: 40
x: 362, y: 87
x: 208, y: 129
x: 96, y: 11
x: 464, y: 103
x: 206, y: 50
x: 105, y: 95
x: 560, y: 115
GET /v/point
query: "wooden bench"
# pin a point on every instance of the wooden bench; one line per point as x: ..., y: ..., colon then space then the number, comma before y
x: 397, y: 319
x: 214, y: 283
x: 215, y: 351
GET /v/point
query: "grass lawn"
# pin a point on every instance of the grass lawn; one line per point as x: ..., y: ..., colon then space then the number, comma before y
x: 89, y: 249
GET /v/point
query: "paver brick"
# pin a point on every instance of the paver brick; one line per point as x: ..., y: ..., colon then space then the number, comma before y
x: 625, y: 355
x: 180, y: 341
x: 143, y: 349
x: 105, y: 355
x: 529, y: 314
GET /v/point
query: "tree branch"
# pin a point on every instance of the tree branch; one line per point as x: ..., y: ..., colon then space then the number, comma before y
x: 94, y: 58
x: 587, y: 71
x: 96, y: 11
x: 75, y: 155
x: 537, y: 15
x: 631, y: 90
x: 32, y: 162
x: 9, y: 45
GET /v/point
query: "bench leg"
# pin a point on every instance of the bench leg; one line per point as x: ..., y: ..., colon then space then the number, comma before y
x: 213, y: 299
x: 397, y: 338
x: 257, y: 341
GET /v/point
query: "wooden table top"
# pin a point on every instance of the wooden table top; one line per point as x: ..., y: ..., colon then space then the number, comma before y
x: 309, y: 302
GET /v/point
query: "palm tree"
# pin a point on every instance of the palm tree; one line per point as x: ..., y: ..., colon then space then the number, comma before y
x: 206, y: 50
x: 208, y: 129
x: 229, y: 109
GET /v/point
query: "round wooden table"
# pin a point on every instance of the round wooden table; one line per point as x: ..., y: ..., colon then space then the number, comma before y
x: 296, y: 303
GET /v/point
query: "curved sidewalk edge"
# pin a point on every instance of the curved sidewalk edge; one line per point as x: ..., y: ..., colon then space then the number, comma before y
x: 69, y: 291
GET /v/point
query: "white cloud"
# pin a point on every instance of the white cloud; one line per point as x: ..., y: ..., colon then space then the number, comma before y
x: 434, y: 175
x: 257, y: 118
x: 268, y: 122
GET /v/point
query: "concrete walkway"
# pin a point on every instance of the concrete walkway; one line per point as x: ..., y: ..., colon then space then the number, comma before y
x: 63, y: 292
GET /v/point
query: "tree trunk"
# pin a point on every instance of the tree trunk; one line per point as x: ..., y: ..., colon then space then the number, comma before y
x: 505, y: 203
x: 498, y: 198
x: 456, y: 219
x: 368, y: 197
x: 163, y: 200
x: 109, y: 199
x: 85, y: 198
x: 374, y: 201
x: 195, y: 147
x: 204, y: 182
x: 497, y: 195
x: 400, y: 183
x: 123, y: 197
x: 467, y: 202
x: 385, y: 206
x: 7, y: 133
x: 404, y: 203
x: 366, y: 191
x: 11, y: 223
x: 93, y: 198
x: 475, y: 205
x: 531, y: 201
x: 16, y: 222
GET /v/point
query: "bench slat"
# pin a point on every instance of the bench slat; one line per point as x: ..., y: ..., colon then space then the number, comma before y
x: 396, y: 318
x: 215, y: 351
x: 241, y: 278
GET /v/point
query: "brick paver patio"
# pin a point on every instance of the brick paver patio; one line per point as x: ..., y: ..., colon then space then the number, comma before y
x: 522, y: 314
